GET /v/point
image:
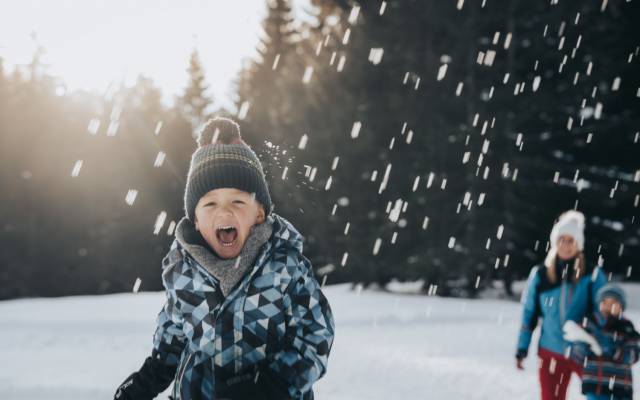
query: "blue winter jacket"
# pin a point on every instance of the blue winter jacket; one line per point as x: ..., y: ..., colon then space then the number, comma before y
x: 275, y: 323
x: 555, y: 303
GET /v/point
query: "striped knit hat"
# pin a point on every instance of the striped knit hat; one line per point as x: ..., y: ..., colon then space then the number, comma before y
x: 224, y: 160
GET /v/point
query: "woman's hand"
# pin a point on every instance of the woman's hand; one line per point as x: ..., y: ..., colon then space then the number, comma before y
x: 575, y: 333
x: 521, y: 354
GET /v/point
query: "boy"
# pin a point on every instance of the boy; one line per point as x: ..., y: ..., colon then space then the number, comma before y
x: 607, y: 348
x: 244, y: 317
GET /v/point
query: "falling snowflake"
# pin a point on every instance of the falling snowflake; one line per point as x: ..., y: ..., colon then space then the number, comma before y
x: 159, y: 159
x: 158, y: 127
x: 442, y: 71
x: 303, y: 142
x: 383, y: 7
x: 308, y: 72
x: 76, y: 168
x: 93, y: 127
x: 130, y: 198
x: 136, y: 285
x: 355, y: 130
x: 244, y: 109
x: 159, y: 222
x: 376, y: 246
x: 375, y: 55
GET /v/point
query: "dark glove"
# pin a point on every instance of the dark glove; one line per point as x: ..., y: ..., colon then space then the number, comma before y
x: 152, y: 379
x: 521, y: 354
x: 616, y: 325
x: 622, y: 326
x: 132, y: 389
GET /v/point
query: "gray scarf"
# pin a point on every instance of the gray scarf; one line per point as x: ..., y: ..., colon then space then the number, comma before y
x: 227, y: 272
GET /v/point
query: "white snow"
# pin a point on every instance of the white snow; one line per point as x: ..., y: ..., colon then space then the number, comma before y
x: 387, y: 346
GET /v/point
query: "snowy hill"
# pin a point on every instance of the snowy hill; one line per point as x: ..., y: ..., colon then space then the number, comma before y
x: 388, y: 346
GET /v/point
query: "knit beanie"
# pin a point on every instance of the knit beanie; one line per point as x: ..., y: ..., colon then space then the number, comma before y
x: 612, y: 290
x: 223, y: 160
x: 570, y: 223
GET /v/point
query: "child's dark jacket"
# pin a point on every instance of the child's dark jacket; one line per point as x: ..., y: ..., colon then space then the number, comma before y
x: 610, y: 373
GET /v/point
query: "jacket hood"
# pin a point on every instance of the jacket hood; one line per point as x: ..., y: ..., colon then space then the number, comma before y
x: 285, y: 234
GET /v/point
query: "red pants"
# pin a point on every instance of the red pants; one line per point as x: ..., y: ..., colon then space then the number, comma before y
x: 554, y: 373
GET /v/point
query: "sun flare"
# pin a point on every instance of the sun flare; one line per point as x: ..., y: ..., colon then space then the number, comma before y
x: 90, y: 45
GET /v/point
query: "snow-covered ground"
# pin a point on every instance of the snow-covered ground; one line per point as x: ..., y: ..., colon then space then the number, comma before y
x: 387, y: 346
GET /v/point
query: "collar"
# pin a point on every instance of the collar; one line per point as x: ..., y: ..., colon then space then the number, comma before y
x: 228, y: 272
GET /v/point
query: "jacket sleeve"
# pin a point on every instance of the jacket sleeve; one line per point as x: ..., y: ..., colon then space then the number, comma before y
x: 530, y: 314
x: 158, y: 370
x: 578, y: 352
x: 169, y: 339
x: 629, y: 351
x: 302, y: 358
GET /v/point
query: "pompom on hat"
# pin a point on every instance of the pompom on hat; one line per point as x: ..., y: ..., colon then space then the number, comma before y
x: 570, y: 223
x: 223, y: 160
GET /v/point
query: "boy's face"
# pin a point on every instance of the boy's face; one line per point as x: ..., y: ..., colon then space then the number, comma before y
x: 610, y: 307
x: 224, y: 218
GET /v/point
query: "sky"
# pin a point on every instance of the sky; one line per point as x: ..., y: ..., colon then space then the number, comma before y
x: 92, y: 44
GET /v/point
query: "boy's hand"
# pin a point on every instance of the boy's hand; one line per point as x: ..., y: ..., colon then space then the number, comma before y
x: 622, y: 326
x: 145, y: 384
x: 131, y: 389
x: 122, y: 389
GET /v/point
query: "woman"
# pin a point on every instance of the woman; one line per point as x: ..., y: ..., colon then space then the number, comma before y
x: 562, y: 289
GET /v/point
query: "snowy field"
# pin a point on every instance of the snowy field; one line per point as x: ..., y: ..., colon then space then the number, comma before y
x: 388, y: 346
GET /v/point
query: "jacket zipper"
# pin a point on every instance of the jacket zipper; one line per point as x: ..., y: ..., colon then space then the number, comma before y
x: 206, y: 273
x: 211, y: 278
x: 180, y: 375
x: 563, y: 290
x: 215, y: 282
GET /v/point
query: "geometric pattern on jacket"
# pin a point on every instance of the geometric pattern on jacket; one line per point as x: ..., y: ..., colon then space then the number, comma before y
x: 610, y: 373
x: 275, y: 320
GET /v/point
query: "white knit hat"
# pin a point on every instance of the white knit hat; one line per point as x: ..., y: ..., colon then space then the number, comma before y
x: 570, y: 223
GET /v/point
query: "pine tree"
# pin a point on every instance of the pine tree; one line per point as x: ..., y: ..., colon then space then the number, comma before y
x: 195, y: 101
x: 464, y: 203
x: 262, y: 89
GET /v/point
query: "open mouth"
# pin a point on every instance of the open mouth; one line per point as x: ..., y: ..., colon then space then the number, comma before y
x: 227, y: 235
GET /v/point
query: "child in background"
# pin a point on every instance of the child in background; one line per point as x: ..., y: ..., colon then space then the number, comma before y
x: 607, y: 348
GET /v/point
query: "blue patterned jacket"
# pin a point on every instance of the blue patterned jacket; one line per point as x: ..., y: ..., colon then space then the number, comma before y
x: 275, y: 327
